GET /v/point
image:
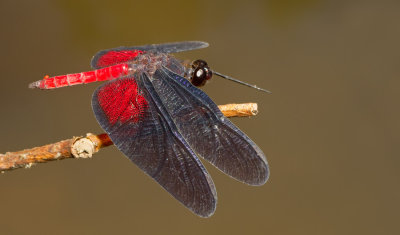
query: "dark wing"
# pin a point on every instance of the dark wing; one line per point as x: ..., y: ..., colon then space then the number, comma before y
x: 210, y: 134
x: 129, y: 110
x: 122, y: 54
x: 173, y: 47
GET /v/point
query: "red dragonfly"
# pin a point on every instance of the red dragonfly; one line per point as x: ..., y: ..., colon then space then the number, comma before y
x: 155, y: 115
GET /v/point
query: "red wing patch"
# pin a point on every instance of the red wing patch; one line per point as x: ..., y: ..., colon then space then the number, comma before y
x: 121, y: 101
x: 115, y: 57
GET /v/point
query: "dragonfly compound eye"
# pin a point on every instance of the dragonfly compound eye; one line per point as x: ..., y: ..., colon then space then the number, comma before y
x: 200, y: 73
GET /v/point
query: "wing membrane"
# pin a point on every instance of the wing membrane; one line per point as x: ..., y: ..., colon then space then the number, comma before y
x: 148, y: 137
x: 209, y: 133
x: 122, y: 54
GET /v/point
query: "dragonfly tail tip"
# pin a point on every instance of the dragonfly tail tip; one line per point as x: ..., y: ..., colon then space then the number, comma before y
x: 34, y: 85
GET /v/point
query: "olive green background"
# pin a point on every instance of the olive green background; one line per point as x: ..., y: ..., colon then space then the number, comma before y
x: 330, y: 129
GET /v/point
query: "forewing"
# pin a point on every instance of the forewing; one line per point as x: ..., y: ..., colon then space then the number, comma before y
x: 209, y: 133
x: 128, y: 112
x: 122, y: 54
x: 173, y: 47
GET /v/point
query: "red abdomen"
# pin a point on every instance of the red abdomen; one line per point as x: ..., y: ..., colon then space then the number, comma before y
x: 107, y: 73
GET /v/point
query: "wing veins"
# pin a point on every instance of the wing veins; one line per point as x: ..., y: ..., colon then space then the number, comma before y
x: 215, y: 127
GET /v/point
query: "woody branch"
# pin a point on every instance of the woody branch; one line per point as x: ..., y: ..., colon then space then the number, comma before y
x: 85, y: 147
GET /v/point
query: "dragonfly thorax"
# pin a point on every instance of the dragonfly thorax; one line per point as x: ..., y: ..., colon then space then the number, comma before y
x: 149, y: 63
x: 197, y: 72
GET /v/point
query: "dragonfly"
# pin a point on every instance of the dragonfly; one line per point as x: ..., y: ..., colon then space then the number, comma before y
x: 154, y: 113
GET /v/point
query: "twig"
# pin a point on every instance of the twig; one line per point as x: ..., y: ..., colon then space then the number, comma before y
x: 85, y: 147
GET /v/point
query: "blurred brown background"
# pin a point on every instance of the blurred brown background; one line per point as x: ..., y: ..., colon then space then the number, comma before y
x: 330, y: 129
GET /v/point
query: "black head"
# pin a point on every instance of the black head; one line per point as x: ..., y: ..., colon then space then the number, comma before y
x: 199, y: 73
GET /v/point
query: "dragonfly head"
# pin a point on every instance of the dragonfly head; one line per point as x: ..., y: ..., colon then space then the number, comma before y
x: 199, y: 73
